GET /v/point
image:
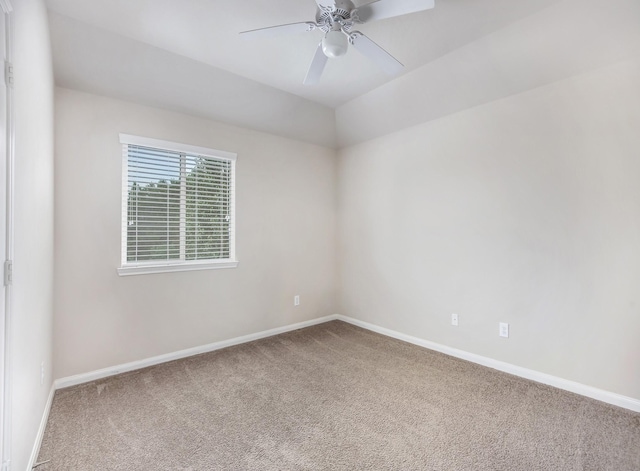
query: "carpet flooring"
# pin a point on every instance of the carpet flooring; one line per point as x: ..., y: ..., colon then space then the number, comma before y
x: 332, y: 397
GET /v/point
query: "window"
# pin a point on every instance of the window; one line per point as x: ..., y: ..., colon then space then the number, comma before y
x: 177, y: 207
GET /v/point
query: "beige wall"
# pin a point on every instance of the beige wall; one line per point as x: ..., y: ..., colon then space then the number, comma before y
x: 286, y: 232
x: 524, y: 210
x: 32, y: 290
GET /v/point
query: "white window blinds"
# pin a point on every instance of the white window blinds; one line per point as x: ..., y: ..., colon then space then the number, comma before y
x: 178, y: 204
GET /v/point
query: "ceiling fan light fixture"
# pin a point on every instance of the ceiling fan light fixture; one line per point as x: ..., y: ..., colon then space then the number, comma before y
x: 337, y: 19
x: 335, y: 44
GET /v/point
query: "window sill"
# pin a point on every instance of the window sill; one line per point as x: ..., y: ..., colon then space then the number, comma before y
x: 131, y: 270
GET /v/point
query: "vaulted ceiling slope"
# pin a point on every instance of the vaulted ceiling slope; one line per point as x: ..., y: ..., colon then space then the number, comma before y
x: 95, y: 60
x: 561, y: 41
x: 188, y: 56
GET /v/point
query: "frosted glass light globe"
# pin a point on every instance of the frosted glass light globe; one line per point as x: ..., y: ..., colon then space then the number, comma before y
x: 335, y: 44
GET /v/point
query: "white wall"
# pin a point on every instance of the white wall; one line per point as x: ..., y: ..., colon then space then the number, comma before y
x: 286, y: 239
x: 32, y: 290
x: 524, y: 210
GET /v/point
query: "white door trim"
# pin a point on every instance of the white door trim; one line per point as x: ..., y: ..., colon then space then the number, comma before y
x: 6, y: 239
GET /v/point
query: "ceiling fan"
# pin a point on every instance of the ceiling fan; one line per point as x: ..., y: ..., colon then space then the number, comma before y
x: 336, y: 19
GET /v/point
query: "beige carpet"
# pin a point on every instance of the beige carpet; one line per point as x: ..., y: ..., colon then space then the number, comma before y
x: 332, y: 397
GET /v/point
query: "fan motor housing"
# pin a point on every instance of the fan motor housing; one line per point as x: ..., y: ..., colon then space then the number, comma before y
x: 343, y: 10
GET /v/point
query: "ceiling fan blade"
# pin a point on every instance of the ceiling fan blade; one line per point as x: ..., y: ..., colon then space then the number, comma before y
x: 274, y: 31
x: 382, y: 58
x: 382, y: 9
x: 317, y: 67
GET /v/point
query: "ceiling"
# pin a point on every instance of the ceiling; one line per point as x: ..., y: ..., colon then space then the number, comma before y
x: 187, y: 56
x: 207, y: 31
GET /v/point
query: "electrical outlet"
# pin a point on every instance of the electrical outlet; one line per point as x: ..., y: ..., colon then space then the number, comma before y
x: 454, y: 319
x: 504, y: 329
x: 296, y: 300
x: 41, y: 373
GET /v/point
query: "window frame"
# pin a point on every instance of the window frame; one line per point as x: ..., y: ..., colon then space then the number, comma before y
x: 175, y: 265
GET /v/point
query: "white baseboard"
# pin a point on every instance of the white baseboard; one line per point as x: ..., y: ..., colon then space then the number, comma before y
x: 560, y: 383
x: 136, y: 365
x: 43, y: 425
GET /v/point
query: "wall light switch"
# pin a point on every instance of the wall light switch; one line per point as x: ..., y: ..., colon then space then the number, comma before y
x: 504, y: 329
x: 296, y: 300
x: 454, y: 319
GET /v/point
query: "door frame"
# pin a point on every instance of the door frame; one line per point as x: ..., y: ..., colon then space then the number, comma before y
x: 6, y: 235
